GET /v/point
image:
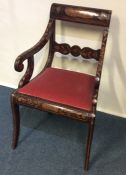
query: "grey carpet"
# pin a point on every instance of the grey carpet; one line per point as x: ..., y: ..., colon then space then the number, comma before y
x: 53, y: 145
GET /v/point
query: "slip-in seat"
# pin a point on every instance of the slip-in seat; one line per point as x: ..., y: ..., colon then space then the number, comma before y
x: 62, y: 86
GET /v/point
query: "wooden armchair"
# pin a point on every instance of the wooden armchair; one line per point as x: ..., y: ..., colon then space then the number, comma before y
x: 59, y: 91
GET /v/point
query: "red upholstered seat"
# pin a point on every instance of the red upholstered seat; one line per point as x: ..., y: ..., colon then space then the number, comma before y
x: 62, y: 86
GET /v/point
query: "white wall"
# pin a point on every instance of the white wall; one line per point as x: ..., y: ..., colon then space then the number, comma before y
x: 22, y: 23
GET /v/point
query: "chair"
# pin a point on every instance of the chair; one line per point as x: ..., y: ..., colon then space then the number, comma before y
x: 67, y: 93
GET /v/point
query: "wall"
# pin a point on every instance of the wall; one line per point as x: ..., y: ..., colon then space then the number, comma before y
x: 22, y: 23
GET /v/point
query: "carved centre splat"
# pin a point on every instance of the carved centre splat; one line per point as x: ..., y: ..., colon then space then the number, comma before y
x: 76, y: 51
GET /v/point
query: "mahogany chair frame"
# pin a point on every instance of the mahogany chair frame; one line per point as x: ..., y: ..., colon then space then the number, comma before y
x: 76, y: 14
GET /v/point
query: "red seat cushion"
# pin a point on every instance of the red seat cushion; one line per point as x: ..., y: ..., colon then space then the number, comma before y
x: 62, y: 86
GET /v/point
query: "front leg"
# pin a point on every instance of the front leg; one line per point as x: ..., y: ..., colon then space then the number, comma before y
x: 16, y: 121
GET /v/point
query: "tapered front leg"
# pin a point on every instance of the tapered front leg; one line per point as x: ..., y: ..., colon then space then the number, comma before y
x: 89, y: 142
x: 16, y: 121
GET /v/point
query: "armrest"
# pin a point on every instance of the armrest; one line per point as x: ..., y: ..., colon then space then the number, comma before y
x: 29, y: 55
x: 36, y: 48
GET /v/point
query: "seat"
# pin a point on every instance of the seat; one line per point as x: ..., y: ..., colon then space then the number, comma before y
x: 67, y: 93
x: 67, y: 88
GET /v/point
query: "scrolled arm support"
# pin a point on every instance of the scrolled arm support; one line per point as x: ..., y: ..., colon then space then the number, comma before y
x: 29, y: 55
x: 19, y: 66
x: 28, y: 74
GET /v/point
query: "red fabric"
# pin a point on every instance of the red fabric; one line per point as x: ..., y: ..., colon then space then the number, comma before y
x: 62, y: 86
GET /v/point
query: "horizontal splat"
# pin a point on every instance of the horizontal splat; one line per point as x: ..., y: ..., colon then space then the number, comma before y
x: 86, y: 52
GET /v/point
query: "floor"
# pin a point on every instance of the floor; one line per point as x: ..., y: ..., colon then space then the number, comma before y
x: 54, y: 145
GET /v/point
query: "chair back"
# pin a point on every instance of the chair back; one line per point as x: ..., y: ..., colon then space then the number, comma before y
x: 84, y: 15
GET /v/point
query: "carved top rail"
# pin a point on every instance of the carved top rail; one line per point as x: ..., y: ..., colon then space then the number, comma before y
x: 92, y: 16
x: 75, y: 50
